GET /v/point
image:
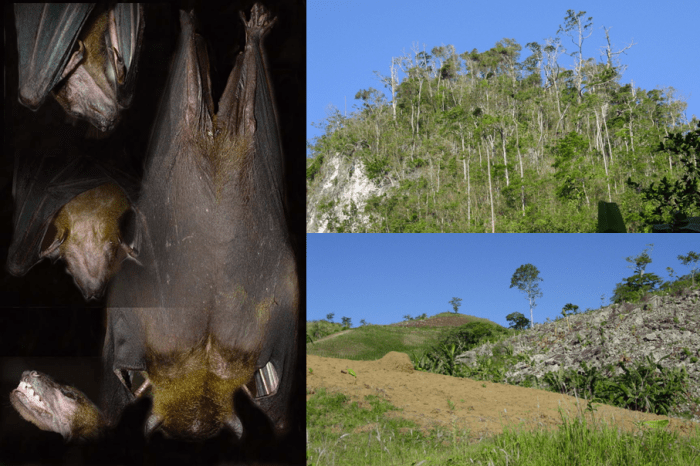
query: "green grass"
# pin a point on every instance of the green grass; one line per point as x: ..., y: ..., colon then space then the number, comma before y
x: 341, y: 432
x: 372, y: 342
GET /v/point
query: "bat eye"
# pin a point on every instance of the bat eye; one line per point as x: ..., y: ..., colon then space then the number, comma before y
x: 68, y: 393
x: 265, y: 382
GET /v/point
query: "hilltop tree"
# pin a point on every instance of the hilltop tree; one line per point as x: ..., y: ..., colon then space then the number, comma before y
x: 568, y: 310
x: 691, y: 258
x: 575, y: 27
x: 347, y: 322
x: 330, y: 317
x: 641, y: 261
x: 517, y: 321
x: 525, y: 279
x: 634, y: 287
x: 631, y: 289
x: 456, y: 302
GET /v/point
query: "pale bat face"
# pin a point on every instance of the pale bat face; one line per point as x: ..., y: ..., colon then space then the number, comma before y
x: 86, y: 234
x: 54, y: 407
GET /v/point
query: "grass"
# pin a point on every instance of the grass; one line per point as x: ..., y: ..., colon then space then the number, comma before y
x: 371, y: 342
x: 341, y: 432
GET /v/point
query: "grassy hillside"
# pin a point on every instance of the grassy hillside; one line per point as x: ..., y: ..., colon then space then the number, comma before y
x: 370, y: 342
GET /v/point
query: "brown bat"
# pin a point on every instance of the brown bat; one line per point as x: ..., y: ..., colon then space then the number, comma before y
x: 85, y: 55
x: 86, y: 234
x: 74, y: 208
x: 207, y: 324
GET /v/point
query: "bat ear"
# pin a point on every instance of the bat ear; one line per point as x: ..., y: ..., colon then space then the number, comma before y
x: 52, y: 240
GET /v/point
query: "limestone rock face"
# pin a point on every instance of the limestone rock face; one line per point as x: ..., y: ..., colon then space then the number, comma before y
x: 338, y: 195
x: 628, y: 333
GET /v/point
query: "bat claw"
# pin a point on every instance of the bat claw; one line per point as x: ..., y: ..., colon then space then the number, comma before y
x: 260, y: 22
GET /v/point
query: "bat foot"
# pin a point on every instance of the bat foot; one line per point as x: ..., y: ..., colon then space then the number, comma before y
x: 260, y: 21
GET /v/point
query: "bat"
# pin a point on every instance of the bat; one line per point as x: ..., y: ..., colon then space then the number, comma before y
x: 206, y: 324
x: 86, y: 55
x: 72, y: 207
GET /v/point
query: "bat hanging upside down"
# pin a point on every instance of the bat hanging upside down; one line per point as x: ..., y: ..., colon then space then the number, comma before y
x: 206, y: 324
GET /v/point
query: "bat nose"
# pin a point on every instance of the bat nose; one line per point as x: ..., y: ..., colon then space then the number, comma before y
x: 92, y: 290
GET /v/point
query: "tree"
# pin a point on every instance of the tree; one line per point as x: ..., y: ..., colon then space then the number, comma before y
x: 672, y: 202
x: 691, y: 258
x: 346, y: 322
x: 330, y: 317
x: 363, y: 322
x: 518, y: 321
x: 456, y: 302
x: 568, y: 310
x: 576, y: 22
x: 634, y: 287
x: 525, y: 279
x: 641, y: 261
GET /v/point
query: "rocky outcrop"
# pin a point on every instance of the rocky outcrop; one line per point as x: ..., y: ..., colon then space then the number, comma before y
x: 660, y: 327
x: 339, y: 194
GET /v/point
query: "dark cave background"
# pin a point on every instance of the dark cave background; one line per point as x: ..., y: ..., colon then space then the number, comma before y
x: 45, y: 324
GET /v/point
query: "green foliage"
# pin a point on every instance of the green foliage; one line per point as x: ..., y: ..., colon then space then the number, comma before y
x: 321, y: 328
x: 518, y: 321
x: 313, y: 167
x: 672, y: 201
x: 691, y: 258
x: 571, y: 171
x: 641, y: 388
x: 633, y: 288
x: 456, y: 302
x: 347, y: 322
x: 465, y: 123
x: 473, y: 334
x: 525, y: 279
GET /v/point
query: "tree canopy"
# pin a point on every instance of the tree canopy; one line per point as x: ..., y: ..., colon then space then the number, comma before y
x: 489, y: 141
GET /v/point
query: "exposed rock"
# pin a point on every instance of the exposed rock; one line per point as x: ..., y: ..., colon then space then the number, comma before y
x: 339, y: 193
x: 628, y: 333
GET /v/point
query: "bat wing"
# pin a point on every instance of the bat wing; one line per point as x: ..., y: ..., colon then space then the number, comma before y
x: 127, y: 33
x: 46, y: 36
x: 219, y: 264
x: 87, y: 58
x: 42, y: 184
x: 247, y: 108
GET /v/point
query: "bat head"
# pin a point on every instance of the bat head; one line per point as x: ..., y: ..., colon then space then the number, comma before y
x: 86, y: 234
x: 55, y: 407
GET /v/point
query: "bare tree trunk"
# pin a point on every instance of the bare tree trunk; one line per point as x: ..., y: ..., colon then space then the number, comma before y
x: 505, y: 159
x: 488, y: 166
x: 394, y: 84
x: 520, y: 160
x: 599, y: 141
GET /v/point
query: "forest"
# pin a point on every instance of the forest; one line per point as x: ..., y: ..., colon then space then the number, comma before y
x: 489, y: 142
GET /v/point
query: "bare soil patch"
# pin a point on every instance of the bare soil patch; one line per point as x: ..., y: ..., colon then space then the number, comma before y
x: 483, y: 408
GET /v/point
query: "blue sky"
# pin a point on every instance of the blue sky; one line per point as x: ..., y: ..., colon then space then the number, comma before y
x: 382, y: 277
x: 349, y: 39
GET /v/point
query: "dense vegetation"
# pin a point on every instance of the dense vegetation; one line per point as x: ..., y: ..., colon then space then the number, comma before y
x: 485, y: 141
